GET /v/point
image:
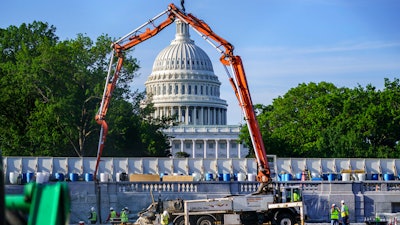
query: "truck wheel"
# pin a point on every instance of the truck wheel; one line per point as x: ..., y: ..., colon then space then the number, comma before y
x: 285, y: 219
x: 205, y: 220
x: 180, y: 221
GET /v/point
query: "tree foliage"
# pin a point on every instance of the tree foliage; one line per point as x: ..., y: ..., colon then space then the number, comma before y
x: 51, y: 90
x: 321, y: 120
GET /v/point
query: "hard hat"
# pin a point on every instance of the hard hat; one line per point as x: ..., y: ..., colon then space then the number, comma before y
x: 111, y: 208
x: 92, y: 209
x: 342, y: 201
x: 126, y: 208
x: 333, y: 205
x: 165, y: 213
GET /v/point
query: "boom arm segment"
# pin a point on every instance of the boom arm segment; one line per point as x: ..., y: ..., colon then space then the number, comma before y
x: 118, y: 49
x: 239, y: 82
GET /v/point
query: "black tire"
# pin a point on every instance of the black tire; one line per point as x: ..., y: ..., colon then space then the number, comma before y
x: 285, y: 219
x: 180, y: 221
x: 205, y: 220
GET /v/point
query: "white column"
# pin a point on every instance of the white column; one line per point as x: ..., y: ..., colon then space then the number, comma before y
x: 202, y: 116
x: 216, y: 148
x: 219, y: 116
x: 179, y: 114
x: 182, y: 142
x: 187, y: 115
x: 228, y: 150
x: 194, y: 148
x: 239, y: 149
x: 215, y: 116
x: 208, y: 116
x: 205, y: 148
x: 194, y: 115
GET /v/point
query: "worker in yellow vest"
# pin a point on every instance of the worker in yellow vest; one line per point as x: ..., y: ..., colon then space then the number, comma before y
x: 344, y: 213
x: 334, y: 215
x: 165, y: 218
x: 296, y: 196
x: 112, y: 216
x: 93, y: 216
x: 124, y: 215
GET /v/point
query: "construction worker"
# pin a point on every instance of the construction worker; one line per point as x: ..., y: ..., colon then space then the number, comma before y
x: 344, y: 213
x: 93, y: 216
x: 124, y: 215
x: 334, y: 215
x: 112, y: 216
x: 165, y: 218
x: 296, y: 195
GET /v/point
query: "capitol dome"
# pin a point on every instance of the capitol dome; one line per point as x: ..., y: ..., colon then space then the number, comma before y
x: 183, y: 83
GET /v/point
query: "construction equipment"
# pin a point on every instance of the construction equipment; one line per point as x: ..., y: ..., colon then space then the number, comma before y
x: 270, y: 203
x: 238, y: 82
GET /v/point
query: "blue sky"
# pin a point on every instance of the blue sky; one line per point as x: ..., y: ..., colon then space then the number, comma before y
x: 282, y: 42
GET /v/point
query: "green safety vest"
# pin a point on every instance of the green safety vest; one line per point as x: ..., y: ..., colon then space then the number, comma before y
x: 164, y: 219
x: 124, y: 217
x: 345, y: 211
x: 296, y: 197
x: 113, y: 215
x: 335, y: 214
x: 93, y: 217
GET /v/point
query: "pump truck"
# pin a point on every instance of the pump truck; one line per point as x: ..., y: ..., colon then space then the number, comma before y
x: 272, y: 202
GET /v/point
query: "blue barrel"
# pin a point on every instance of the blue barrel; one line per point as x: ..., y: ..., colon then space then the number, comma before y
x: 286, y: 177
x: 209, y: 177
x: 298, y: 176
x: 60, y: 177
x: 88, y: 177
x: 374, y: 176
x: 220, y: 177
x: 73, y: 177
x: 29, y: 177
x: 388, y: 176
x: 23, y: 178
x: 227, y: 177
x: 235, y: 177
x: 331, y: 177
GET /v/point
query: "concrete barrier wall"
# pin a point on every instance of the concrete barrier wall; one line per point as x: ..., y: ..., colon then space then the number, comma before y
x: 316, y: 167
x: 364, y: 199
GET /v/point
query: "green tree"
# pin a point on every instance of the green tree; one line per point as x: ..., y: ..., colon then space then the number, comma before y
x: 321, y: 120
x: 52, y: 90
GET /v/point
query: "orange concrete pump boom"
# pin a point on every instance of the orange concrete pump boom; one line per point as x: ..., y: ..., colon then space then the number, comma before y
x: 238, y: 82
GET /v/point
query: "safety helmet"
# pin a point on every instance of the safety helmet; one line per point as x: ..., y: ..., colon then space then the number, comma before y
x: 92, y: 209
x: 126, y: 208
x: 342, y: 201
x: 333, y: 205
x: 111, y: 208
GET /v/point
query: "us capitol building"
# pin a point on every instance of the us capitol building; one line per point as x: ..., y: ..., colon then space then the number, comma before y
x: 183, y: 83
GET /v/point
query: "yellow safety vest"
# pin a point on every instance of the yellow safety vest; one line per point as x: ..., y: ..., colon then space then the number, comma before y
x: 345, y: 211
x: 93, y: 216
x: 335, y: 214
x: 164, y: 219
x: 113, y: 215
x: 296, y: 197
x: 124, y: 217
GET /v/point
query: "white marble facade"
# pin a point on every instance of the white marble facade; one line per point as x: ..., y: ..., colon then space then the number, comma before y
x: 183, y: 84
